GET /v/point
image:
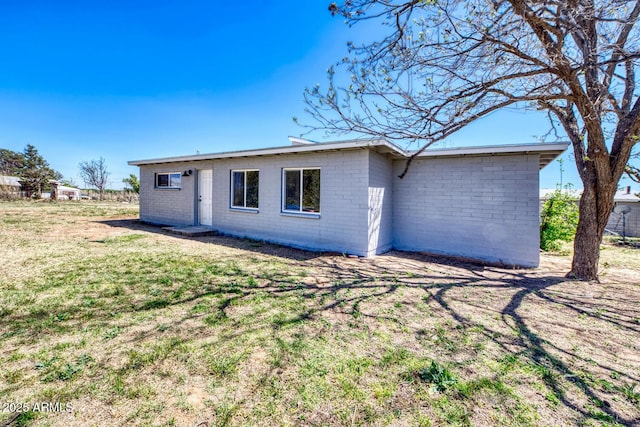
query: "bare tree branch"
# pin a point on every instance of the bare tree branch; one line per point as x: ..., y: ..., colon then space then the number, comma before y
x: 94, y: 173
x: 441, y: 65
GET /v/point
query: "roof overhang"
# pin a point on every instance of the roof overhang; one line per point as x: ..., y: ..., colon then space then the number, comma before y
x: 380, y: 145
x: 547, y: 152
x: 10, y: 181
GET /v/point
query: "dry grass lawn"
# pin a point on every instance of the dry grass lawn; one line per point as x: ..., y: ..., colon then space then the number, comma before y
x: 109, y: 322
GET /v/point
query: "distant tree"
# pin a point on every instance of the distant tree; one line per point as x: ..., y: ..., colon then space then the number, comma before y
x: 133, y: 183
x: 69, y: 182
x: 95, y: 174
x: 558, y: 219
x: 32, y: 169
x: 435, y: 66
x: 35, y: 172
x: 11, y: 163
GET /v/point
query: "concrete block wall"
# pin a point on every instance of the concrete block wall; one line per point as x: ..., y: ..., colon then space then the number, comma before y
x: 342, y: 223
x: 380, y: 215
x: 479, y: 207
x: 167, y: 205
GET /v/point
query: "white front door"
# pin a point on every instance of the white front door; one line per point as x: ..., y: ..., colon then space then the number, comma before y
x: 205, y: 192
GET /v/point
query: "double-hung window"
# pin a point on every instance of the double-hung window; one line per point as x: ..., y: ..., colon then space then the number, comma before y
x: 168, y: 180
x: 244, y: 189
x: 301, y: 190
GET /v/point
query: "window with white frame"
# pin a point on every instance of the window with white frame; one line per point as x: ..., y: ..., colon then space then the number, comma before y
x: 244, y: 188
x: 301, y: 190
x: 168, y: 180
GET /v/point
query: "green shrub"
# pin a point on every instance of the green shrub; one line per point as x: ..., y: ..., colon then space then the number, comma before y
x: 439, y: 376
x: 559, y: 220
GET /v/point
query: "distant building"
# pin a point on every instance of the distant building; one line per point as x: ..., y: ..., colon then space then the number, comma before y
x: 62, y: 192
x: 10, y: 186
x: 624, y: 197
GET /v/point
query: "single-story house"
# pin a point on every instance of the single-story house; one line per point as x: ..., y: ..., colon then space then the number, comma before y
x: 346, y: 196
x: 10, y: 186
x: 625, y: 201
x: 62, y: 192
x: 628, y: 202
x: 10, y: 182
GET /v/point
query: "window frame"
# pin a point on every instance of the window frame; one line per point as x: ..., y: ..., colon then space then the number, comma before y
x: 168, y: 186
x: 232, y: 190
x: 283, y: 195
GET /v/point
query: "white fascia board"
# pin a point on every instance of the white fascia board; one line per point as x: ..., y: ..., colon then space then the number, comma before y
x: 289, y: 149
x: 555, y: 148
x: 495, y: 149
x: 626, y: 198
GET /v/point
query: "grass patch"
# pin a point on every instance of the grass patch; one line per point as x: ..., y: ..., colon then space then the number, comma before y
x: 103, y: 312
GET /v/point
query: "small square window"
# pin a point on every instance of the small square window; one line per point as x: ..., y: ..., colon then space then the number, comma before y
x: 301, y: 190
x: 245, y: 188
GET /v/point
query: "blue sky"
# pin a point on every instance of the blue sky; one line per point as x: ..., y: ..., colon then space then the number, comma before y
x: 135, y: 80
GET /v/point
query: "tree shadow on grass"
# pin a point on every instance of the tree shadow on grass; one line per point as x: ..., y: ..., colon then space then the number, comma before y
x: 258, y: 246
x: 538, y: 349
x: 516, y: 286
x: 345, y: 285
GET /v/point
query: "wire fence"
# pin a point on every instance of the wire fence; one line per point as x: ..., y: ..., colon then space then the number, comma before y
x: 14, y: 193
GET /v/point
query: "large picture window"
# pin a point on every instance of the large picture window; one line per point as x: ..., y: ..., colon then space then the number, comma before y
x: 301, y: 190
x: 244, y: 188
x: 168, y: 180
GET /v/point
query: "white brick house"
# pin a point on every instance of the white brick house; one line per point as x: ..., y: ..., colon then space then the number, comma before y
x: 478, y: 202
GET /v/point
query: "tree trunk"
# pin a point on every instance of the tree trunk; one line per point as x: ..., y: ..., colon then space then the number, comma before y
x: 595, y: 208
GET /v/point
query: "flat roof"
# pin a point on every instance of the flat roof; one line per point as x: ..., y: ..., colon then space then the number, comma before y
x: 548, y: 152
x: 623, y: 196
x: 620, y: 196
x: 11, y: 181
x: 379, y: 144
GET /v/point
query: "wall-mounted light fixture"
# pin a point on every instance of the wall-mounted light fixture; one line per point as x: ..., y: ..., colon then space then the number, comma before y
x: 188, y: 172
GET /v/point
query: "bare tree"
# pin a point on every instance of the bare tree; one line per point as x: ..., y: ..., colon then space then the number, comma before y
x: 441, y: 65
x: 95, y: 174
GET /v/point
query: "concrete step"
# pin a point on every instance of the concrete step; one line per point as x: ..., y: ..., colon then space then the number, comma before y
x: 191, y: 231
